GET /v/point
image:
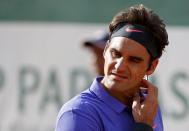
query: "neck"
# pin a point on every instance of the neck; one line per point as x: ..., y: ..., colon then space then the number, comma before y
x: 125, y: 97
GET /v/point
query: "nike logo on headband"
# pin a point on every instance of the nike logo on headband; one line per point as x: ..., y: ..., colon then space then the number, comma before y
x: 132, y: 30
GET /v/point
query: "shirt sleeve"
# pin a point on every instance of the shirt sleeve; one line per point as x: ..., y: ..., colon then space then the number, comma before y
x: 76, y: 120
x: 158, y: 122
x: 142, y: 127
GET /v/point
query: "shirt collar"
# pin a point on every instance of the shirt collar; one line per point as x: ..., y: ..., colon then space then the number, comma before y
x: 103, y: 95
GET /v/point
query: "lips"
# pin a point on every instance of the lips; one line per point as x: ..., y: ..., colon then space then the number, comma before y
x: 118, y: 76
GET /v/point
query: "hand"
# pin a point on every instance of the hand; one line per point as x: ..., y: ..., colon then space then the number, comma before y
x: 145, y: 111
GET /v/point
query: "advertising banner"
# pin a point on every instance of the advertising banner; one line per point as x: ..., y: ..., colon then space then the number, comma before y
x: 43, y: 65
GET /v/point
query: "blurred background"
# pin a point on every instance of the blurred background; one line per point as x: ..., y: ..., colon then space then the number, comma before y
x: 43, y: 63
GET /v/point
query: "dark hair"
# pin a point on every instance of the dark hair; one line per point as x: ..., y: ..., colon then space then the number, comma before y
x: 141, y: 15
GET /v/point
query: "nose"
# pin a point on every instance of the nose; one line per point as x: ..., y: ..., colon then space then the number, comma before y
x: 121, y: 65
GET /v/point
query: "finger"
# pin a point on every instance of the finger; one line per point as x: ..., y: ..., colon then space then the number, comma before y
x: 151, y: 89
x: 136, y: 101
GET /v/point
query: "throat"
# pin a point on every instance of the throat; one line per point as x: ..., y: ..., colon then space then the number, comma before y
x: 124, y: 97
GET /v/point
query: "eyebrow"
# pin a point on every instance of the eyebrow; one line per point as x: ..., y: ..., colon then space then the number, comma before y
x: 113, y: 49
x: 137, y: 58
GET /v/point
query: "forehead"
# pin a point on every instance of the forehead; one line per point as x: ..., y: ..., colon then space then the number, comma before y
x: 125, y: 45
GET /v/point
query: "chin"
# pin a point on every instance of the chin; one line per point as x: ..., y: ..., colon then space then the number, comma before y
x: 110, y: 83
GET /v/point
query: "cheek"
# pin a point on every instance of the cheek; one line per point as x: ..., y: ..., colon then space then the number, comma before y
x: 138, y: 73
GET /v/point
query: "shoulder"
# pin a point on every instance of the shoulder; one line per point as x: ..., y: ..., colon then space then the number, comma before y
x: 79, y: 113
x: 82, y: 103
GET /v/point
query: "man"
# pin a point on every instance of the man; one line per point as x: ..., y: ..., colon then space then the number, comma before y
x: 116, y: 102
x: 96, y: 44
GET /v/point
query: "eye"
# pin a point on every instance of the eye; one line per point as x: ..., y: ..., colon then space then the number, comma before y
x: 136, y: 59
x: 115, y: 54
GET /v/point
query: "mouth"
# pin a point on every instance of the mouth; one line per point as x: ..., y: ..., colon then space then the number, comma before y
x: 117, y: 76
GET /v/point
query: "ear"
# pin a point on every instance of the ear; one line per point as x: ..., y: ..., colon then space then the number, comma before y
x: 106, y: 47
x: 152, y: 67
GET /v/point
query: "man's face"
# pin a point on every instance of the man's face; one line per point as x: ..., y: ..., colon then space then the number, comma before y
x: 126, y: 63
